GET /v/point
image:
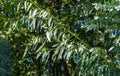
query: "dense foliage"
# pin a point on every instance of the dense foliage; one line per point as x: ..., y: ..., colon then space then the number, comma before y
x: 60, y: 38
x: 6, y: 63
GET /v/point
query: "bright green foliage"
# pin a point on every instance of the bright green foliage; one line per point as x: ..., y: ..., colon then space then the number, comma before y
x: 63, y: 38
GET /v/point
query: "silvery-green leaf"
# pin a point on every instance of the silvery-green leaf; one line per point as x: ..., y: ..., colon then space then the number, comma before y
x: 49, y: 21
x: 34, y: 12
x: 48, y: 34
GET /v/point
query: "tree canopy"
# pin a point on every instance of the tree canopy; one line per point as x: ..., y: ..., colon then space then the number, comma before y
x: 60, y: 38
